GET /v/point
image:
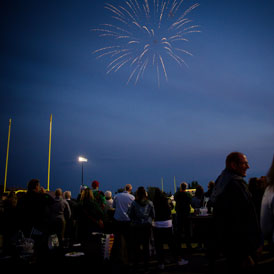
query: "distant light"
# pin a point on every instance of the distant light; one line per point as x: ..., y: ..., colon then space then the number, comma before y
x: 82, y: 159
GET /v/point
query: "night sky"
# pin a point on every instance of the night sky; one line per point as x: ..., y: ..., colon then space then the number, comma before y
x: 137, y: 133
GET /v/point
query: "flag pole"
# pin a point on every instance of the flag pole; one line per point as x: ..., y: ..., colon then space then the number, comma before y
x: 7, y: 157
x: 174, y: 185
x: 50, y: 130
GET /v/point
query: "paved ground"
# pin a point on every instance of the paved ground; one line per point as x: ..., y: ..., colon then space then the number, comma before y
x: 198, y: 264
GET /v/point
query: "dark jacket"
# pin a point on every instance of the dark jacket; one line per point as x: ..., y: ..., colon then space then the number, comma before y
x: 141, y: 212
x: 34, y: 212
x: 162, y: 209
x: 90, y: 215
x: 235, y: 216
x: 183, y: 202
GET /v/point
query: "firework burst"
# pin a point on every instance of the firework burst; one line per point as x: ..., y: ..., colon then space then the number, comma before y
x: 145, y: 34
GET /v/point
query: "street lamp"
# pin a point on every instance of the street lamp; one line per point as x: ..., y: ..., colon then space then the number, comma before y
x: 82, y: 160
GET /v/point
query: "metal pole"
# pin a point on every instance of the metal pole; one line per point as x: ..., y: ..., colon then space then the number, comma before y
x: 175, y: 188
x: 7, y: 157
x: 50, y: 129
x: 82, y: 173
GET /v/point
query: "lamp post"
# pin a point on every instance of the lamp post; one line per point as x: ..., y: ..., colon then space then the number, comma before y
x: 82, y: 160
x: 7, y: 158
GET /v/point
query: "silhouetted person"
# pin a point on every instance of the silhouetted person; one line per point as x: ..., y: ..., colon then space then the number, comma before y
x: 91, y: 215
x: 267, y: 208
x: 109, y: 213
x: 90, y: 221
x: 70, y: 231
x: 34, y: 216
x: 9, y: 223
x: 141, y: 213
x: 237, y: 226
x: 121, y: 203
x: 208, y: 194
x: 163, y: 229
x: 60, y: 212
x: 99, y: 195
x: 198, y: 199
x: 182, y: 207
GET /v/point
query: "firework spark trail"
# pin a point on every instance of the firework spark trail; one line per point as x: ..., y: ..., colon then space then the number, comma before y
x: 158, y: 75
x: 150, y: 32
x: 189, y: 10
x: 114, y: 10
x: 117, y: 59
x: 147, y: 7
x: 141, y: 70
x: 122, y: 64
x: 117, y: 28
x: 161, y: 15
x: 101, y: 49
x: 143, y: 53
x: 178, y: 24
x: 132, y: 73
x: 145, y: 27
x: 113, y: 52
x: 178, y: 6
x: 132, y: 42
x: 137, y: 5
x: 136, y: 23
x: 163, y: 66
x: 129, y: 14
x: 131, y: 6
x: 176, y: 38
x: 185, y: 51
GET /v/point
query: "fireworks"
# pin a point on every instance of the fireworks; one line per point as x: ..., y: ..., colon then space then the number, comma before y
x: 146, y: 33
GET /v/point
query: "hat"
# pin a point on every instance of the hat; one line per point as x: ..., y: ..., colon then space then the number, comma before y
x: 108, y: 194
x: 95, y: 184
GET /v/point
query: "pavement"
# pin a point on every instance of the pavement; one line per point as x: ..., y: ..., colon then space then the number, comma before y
x: 198, y: 264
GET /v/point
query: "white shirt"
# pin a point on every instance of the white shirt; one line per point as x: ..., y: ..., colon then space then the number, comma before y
x: 162, y: 224
x: 121, y: 203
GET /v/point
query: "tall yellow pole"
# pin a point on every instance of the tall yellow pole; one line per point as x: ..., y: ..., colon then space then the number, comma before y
x: 175, y: 185
x: 50, y: 129
x: 162, y: 180
x: 7, y: 158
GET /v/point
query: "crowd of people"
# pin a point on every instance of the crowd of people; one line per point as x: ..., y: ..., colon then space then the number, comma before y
x: 242, y: 218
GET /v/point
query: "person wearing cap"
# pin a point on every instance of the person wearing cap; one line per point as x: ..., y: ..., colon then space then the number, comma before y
x: 98, y: 194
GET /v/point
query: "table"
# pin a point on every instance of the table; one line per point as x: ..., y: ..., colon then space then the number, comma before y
x: 202, y: 228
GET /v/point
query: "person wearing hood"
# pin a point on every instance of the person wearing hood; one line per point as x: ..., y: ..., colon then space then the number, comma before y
x: 141, y: 213
x: 236, y: 222
x: 61, y: 213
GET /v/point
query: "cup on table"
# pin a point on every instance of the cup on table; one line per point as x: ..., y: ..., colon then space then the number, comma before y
x: 203, y: 211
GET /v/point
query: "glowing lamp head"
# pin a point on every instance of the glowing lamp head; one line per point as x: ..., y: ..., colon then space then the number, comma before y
x: 82, y: 159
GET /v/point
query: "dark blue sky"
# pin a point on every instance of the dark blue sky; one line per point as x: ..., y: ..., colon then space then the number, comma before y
x: 138, y: 134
